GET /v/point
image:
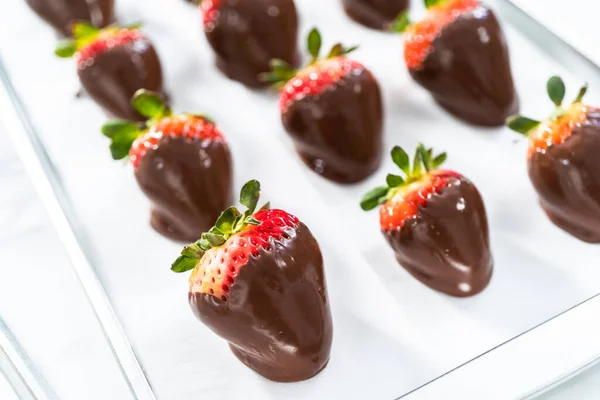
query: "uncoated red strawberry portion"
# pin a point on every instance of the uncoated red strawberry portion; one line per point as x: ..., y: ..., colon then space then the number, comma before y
x: 188, y: 126
x: 316, y: 78
x: 106, y: 40
x: 405, y: 203
x: 210, y: 10
x: 218, y: 268
x: 420, y: 36
x: 556, y: 131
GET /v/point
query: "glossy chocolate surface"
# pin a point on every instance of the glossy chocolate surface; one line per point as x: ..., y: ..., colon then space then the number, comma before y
x: 248, y: 34
x: 62, y: 13
x: 376, y: 14
x: 446, y: 246
x: 338, y: 133
x: 277, y: 318
x: 116, y: 74
x: 468, y: 70
x: 567, y: 179
x: 189, y: 185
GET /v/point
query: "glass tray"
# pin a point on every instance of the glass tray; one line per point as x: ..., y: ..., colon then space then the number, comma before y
x: 392, y: 335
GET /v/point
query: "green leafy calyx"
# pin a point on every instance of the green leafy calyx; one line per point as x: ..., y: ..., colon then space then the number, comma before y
x: 83, y: 34
x: 555, y: 87
x: 422, y: 160
x: 433, y: 3
x: 150, y: 104
x: 400, y: 23
x: 228, y: 224
x: 281, y: 72
x: 123, y: 133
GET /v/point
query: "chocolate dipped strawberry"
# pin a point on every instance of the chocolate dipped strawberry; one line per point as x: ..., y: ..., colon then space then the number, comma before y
x: 62, y: 14
x: 332, y: 109
x: 376, y: 14
x: 246, y: 34
x: 258, y: 282
x: 113, y: 63
x: 435, y: 221
x: 181, y: 162
x: 564, y: 164
x: 458, y: 53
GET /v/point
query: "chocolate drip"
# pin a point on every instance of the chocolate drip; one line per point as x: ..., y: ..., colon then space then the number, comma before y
x: 116, y: 74
x: 338, y: 133
x: 567, y: 179
x: 468, y: 70
x: 376, y: 14
x: 276, y: 319
x: 446, y: 246
x: 188, y: 183
x: 248, y: 34
x: 61, y: 14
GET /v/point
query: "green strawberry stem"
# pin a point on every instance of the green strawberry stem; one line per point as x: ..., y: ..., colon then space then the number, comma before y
x: 555, y: 87
x: 228, y: 224
x: 423, y: 158
x: 124, y: 133
x: 83, y: 33
x: 400, y: 23
x: 433, y: 3
x: 150, y: 104
x: 281, y: 72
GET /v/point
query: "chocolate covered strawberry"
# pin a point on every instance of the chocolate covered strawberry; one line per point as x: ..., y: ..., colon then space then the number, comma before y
x: 458, y: 53
x: 564, y: 163
x: 435, y: 221
x: 181, y: 162
x: 246, y: 34
x: 62, y: 14
x: 113, y: 63
x: 376, y: 14
x: 332, y: 109
x: 258, y: 282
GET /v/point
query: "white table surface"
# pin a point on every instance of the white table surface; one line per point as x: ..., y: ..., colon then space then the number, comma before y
x: 37, y: 288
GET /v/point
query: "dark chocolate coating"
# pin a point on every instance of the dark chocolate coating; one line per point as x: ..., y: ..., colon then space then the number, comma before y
x: 567, y: 179
x: 468, y: 70
x: 338, y: 132
x: 446, y: 246
x: 189, y: 184
x: 248, y: 34
x: 117, y: 73
x: 276, y: 319
x: 376, y: 14
x: 62, y: 13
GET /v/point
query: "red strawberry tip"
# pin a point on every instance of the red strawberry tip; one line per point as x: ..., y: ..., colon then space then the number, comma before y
x: 84, y: 33
x: 281, y: 72
x: 419, y: 36
x: 123, y: 134
x: 423, y: 159
x: 229, y: 223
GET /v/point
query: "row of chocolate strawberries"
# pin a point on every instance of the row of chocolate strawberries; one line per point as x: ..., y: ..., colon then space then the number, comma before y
x: 257, y: 277
x: 228, y: 257
x: 244, y: 55
x: 61, y: 14
x: 343, y: 146
x: 250, y: 268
